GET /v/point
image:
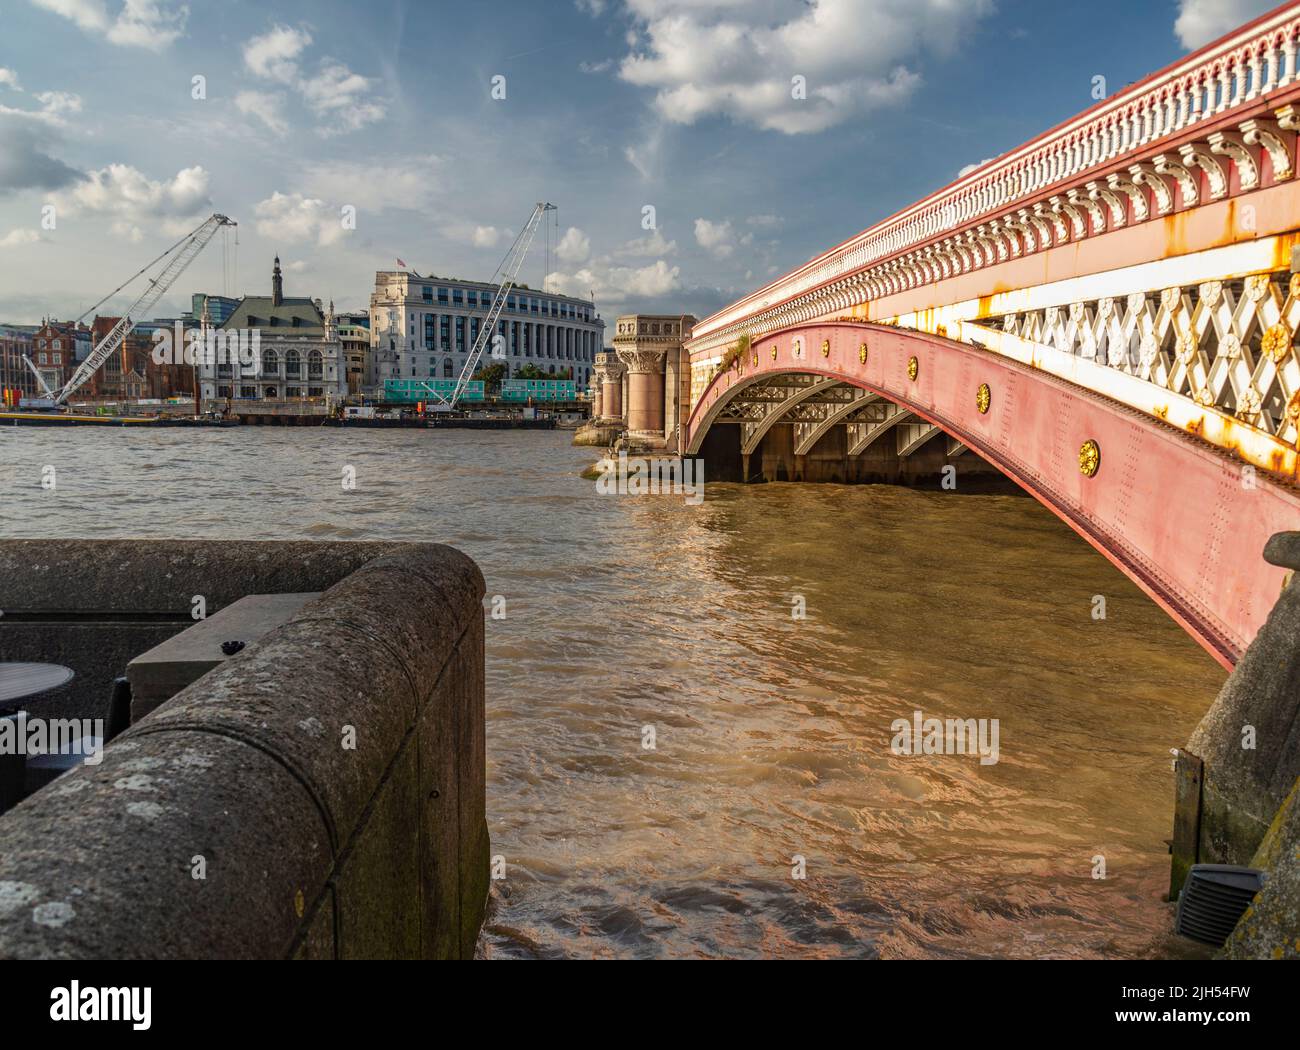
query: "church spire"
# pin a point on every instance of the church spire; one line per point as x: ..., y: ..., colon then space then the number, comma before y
x: 277, y: 285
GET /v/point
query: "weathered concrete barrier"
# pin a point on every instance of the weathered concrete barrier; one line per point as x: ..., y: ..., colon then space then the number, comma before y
x: 318, y: 795
x: 1238, y: 775
x: 92, y: 605
x: 1270, y: 929
x: 595, y: 434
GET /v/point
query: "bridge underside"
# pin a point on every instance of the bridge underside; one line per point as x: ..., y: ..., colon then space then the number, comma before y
x: 846, y: 401
x: 796, y: 426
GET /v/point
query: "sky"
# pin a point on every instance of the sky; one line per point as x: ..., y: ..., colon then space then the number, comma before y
x: 695, y: 149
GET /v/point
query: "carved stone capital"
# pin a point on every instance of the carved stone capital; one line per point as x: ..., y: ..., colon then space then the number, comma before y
x: 608, y: 367
x: 642, y: 359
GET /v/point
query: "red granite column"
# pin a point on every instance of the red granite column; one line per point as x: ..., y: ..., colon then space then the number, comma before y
x: 645, y: 392
x: 612, y: 387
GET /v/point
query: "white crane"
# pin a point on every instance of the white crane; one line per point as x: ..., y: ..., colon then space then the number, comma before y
x: 182, y: 253
x: 40, y: 378
x: 509, y: 271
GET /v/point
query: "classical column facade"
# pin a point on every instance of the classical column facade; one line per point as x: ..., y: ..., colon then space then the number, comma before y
x: 611, y: 373
x: 645, y: 390
x: 597, y: 391
x: 650, y: 346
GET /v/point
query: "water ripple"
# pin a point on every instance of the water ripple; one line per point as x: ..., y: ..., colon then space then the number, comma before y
x: 771, y: 734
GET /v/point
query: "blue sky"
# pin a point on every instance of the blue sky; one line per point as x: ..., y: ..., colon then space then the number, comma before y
x: 609, y: 107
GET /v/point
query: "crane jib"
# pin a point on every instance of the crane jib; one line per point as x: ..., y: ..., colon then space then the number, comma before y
x: 510, y: 268
x: 190, y: 246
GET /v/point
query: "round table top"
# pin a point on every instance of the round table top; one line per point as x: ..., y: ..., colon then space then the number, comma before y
x: 22, y: 680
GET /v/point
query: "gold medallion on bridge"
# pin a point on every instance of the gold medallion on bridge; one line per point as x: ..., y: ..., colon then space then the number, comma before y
x: 826, y: 348
x: 1293, y: 414
x: 983, y: 398
x: 755, y: 359
x: 1276, y: 342
x: 913, y: 368
x: 1089, y: 458
x: 862, y: 353
x: 773, y: 351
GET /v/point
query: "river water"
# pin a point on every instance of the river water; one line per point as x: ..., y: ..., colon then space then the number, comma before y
x: 771, y: 733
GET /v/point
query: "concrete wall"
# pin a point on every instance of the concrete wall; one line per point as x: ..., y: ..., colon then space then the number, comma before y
x: 328, y: 780
x: 92, y: 605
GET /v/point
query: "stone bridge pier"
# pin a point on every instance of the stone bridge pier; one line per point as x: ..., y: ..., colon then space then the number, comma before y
x: 645, y: 392
x: 610, y: 372
x: 642, y: 387
x: 608, y: 421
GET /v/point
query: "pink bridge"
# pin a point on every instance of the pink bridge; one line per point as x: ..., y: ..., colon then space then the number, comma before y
x: 1107, y: 315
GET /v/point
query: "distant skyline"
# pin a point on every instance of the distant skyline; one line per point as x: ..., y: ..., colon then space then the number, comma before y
x: 440, y: 124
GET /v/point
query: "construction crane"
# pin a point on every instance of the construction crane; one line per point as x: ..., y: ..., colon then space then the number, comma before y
x: 40, y: 378
x: 509, y: 271
x: 182, y: 253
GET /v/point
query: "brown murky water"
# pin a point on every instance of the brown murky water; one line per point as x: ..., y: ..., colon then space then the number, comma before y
x: 772, y: 734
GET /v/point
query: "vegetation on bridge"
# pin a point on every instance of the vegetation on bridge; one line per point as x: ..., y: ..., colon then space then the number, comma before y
x: 735, y: 352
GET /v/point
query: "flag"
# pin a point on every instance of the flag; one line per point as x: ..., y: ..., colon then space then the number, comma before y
x: 401, y: 264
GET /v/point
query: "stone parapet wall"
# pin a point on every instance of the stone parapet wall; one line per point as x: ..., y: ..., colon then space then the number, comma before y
x: 326, y: 783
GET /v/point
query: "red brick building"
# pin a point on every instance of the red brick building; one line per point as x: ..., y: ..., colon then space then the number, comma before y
x: 53, y: 352
x: 130, y: 373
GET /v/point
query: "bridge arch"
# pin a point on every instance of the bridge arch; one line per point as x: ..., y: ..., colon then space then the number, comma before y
x: 1176, y: 515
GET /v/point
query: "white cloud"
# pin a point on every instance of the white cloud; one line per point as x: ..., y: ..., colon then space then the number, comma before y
x: 266, y: 106
x: 9, y: 77
x: 53, y: 105
x: 714, y: 237
x: 339, y: 97
x: 14, y: 238
x: 317, y: 216
x: 595, y: 8
x: 400, y: 182
x: 486, y: 236
x: 132, y: 199
x: 1200, y: 21
x: 150, y: 24
x: 972, y: 167
x: 339, y: 94
x: 292, y: 218
x: 766, y: 222
x: 147, y: 24
x: 90, y: 15
x: 646, y: 247
x: 274, y: 55
x: 603, y: 66
x: 618, y: 284
x: 56, y: 102
x: 574, y: 246
x: 737, y: 58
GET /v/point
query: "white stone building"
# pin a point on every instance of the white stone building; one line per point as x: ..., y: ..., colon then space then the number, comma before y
x: 425, y: 327
x: 300, y: 354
